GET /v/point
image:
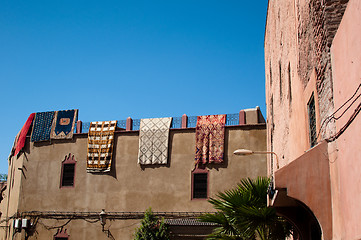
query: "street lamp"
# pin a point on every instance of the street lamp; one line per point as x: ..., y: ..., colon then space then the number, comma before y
x: 103, y: 218
x: 244, y: 152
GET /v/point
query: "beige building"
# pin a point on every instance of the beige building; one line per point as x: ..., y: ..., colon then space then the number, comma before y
x: 313, y: 80
x: 50, y: 194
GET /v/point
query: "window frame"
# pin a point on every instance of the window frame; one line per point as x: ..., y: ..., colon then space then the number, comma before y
x: 61, y: 234
x: 68, y: 160
x: 312, y: 121
x: 199, y: 170
x: 60, y: 238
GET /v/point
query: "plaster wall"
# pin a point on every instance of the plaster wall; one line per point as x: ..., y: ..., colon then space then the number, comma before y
x: 287, y: 93
x: 10, y: 204
x: 307, y: 179
x: 79, y: 229
x: 300, y: 33
x: 346, y: 68
x: 129, y: 186
x: 298, y: 37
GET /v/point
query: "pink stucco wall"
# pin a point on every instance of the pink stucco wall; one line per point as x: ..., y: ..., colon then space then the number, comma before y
x: 346, y: 68
x: 297, y: 65
x: 307, y: 179
x: 287, y: 91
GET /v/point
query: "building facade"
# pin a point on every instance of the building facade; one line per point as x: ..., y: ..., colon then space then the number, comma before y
x: 313, y: 66
x: 50, y: 194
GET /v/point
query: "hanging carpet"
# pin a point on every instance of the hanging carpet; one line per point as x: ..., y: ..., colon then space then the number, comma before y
x: 210, y: 139
x: 42, y: 126
x: 63, y: 124
x: 153, y: 140
x: 100, y: 146
x: 20, y: 143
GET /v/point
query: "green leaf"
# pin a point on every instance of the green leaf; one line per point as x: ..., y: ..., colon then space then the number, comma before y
x: 152, y: 228
x: 243, y: 213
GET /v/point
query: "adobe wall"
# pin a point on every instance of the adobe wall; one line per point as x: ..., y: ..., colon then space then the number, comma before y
x: 286, y: 94
x: 346, y: 65
x: 298, y: 37
x: 130, y: 187
x: 79, y: 229
x: 10, y: 204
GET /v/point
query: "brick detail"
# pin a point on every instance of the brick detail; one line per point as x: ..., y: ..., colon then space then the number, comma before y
x: 242, y: 117
x: 184, y: 121
x: 79, y: 126
x: 318, y: 24
x: 327, y: 17
x: 129, y: 124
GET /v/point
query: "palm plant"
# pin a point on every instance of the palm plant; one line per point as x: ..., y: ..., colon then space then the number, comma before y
x: 242, y: 213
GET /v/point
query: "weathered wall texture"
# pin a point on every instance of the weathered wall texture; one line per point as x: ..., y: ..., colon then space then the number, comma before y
x: 128, y: 187
x: 318, y: 21
x: 10, y: 203
x: 298, y: 40
x: 298, y: 37
x: 280, y: 69
x: 329, y: 14
x: 346, y: 69
x: 287, y: 93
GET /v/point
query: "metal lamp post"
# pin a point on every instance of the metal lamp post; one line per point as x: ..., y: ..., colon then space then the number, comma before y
x: 244, y: 152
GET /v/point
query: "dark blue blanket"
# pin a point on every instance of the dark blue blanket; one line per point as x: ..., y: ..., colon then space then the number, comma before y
x: 42, y: 126
x: 64, y: 123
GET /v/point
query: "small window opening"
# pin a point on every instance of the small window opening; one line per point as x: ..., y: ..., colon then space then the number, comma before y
x: 289, y: 83
x: 280, y: 71
x: 312, y: 121
x: 270, y: 73
x: 61, y: 235
x: 68, y: 171
x: 200, y: 184
x: 68, y: 175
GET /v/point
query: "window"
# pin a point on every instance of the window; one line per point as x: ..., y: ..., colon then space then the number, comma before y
x: 61, y: 235
x: 289, y: 83
x: 280, y: 71
x: 312, y: 121
x: 68, y: 174
x: 270, y: 73
x: 68, y: 171
x: 200, y: 183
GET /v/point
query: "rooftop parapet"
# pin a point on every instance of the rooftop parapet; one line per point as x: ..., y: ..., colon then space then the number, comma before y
x: 246, y: 116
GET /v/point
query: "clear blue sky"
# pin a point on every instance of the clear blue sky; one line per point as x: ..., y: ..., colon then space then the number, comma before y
x: 115, y: 59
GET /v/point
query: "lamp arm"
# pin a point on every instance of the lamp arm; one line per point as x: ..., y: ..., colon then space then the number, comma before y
x: 266, y: 152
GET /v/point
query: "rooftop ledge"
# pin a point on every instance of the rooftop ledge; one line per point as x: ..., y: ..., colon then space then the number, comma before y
x: 251, y: 116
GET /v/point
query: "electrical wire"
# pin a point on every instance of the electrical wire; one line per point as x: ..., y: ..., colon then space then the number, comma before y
x: 91, y: 221
x: 91, y: 217
x: 56, y: 227
x: 348, y: 123
x: 332, y: 116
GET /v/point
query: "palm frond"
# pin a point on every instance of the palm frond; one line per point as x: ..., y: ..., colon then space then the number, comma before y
x: 243, y: 213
